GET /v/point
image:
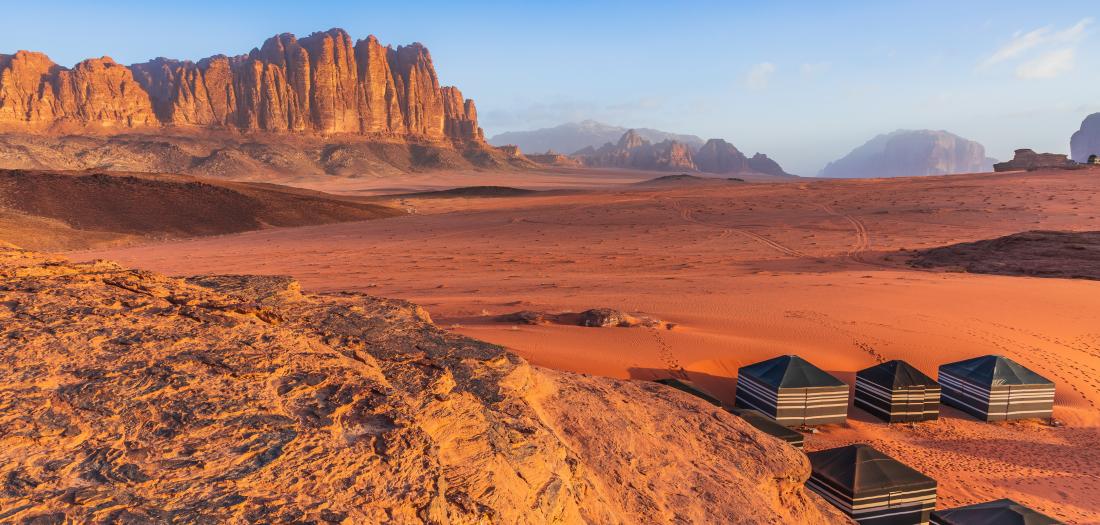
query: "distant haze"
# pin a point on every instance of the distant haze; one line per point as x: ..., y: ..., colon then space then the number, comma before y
x: 911, y: 153
x: 570, y: 137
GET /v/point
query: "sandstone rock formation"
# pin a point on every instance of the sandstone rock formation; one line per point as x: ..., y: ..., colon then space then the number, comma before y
x: 1086, y: 140
x: 553, y: 158
x: 633, y: 151
x: 130, y: 397
x: 325, y: 83
x: 719, y: 156
x: 908, y: 153
x: 575, y: 136
x: 1026, y: 159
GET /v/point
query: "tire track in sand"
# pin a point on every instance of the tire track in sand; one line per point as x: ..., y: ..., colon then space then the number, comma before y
x: 687, y: 215
x: 862, y: 244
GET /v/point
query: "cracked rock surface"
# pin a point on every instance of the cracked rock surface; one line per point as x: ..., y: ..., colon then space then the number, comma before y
x: 131, y: 397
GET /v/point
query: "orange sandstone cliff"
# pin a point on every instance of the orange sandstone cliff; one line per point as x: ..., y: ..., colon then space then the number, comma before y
x: 324, y: 83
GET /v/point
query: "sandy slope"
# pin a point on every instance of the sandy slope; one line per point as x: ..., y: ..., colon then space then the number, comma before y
x: 748, y: 272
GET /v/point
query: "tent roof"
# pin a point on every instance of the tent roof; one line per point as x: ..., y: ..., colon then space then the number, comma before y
x: 896, y: 374
x: 861, y: 469
x: 995, y: 370
x: 999, y: 512
x: 766, y: 424
x: 789, y: 371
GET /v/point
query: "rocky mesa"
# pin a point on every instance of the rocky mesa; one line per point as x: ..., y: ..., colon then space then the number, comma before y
x: 911, y: 153
x: 324, y: 83
x: 131, y: 397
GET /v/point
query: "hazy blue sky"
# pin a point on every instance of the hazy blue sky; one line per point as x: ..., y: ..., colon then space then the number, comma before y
x: 804, y: 82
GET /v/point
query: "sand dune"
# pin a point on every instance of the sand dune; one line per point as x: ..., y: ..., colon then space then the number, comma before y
x: 58, y: 210
x: 746, y: 272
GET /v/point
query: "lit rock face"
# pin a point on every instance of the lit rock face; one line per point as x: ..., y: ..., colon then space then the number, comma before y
x: 131, y: 397
x: 908, y: 153
x: 323, y: 83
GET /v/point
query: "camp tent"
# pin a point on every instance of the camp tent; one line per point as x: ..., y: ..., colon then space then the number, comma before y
x: 766, y: 425
x: 995, y: 388
x: 1000, y: 512
x: 896, y: 392
x: 689, y: 387
x: 792, y: 391
x: 871, y: 487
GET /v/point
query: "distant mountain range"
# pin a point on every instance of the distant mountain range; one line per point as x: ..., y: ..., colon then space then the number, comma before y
x: 633, y: 151
x: 575, y: 136
x: 908, y: 153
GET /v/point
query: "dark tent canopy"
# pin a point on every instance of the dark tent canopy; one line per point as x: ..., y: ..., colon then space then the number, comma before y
x: 995, y: 369
x: 768, y: 426
x: 994, y: 387
x: 792, y: 391
x: 790, y: 371
x: 999, y: 512
x: 871, y: 487
x: 896, y: 391
x: 689, y: 387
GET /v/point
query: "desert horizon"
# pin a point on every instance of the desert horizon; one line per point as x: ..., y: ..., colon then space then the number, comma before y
x: 313, y: 282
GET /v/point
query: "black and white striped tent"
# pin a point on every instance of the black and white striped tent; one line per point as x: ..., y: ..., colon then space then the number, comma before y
x: 995, y: 388
x: 871, y: 487
x: 1000, y: 512
x: 687, y: 386
x: 766, y: 425
x: 792, y: 391
x: 895, y: 391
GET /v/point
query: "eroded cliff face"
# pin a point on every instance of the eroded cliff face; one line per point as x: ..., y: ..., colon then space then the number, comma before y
x: 324, y: 83
x: 130, y: 397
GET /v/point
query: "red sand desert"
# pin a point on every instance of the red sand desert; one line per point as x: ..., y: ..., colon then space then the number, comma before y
x: 744, y: 271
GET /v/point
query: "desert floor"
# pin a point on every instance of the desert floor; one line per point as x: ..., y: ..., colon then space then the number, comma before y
x: 746, y: 272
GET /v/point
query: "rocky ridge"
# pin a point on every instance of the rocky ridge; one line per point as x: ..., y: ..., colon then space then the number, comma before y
x: 324, y: 83
x: 127, y: 396
x: 717, y: 156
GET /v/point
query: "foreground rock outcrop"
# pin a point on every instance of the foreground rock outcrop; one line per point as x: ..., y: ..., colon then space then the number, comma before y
x: 324, y: 83
x: 130, y: 397
x: 910, y: 153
